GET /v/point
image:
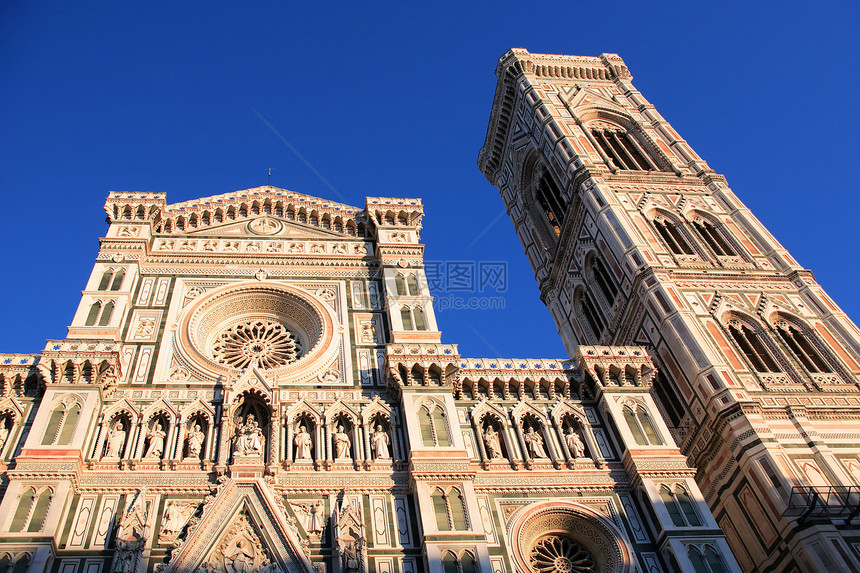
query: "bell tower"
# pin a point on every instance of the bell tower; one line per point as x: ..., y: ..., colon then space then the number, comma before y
x: 635, y: 240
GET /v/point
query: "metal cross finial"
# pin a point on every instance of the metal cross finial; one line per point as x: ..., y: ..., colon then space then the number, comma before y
x: 269, y: 170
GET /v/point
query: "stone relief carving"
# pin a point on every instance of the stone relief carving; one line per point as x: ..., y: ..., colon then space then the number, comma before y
x: 311, y: 516
x: 130, y: 537
x: 176, y: 515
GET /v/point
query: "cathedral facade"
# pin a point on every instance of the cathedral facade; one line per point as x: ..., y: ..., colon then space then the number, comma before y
x: 634, y: 240
x: 255, y: 381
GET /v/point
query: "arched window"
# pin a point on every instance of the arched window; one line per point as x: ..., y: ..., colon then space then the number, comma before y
x: 106, y: 278
x: 551, y: 202
x: 623, y: 150
x: 117, y: 279
x: 93, y: 315
x: 107, y: 311
x: 687, y: 506
x: 803, y: 348
x: 588, y: 310
x: 420, y: 323
x: 713, y: 237
x: 705, y: 561
x: 18, y: 563
x: 433, y: 426
x: 463, y: 564
x: 753, y: 348
x: 672, y: 507
x: 641, y: 427
x: 680, y: 506
x: 406, y: 317
x: 673, y: 237
x: 412, y: 282
x: 31, y: 511
x: 400, y: 283
x: 604, y: 281
x: 450, y: 509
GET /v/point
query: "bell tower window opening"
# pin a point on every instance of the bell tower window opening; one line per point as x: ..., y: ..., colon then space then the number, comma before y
x: 672, y: 237
x: 623, y: 149
x: 753, y: 348
x: 550, y: 200
x: 604, y: 281
x: 803, y: 349
x: 592, y: 316
x: 712, y: 236
x: 99, y: 313
x: 708, y: 561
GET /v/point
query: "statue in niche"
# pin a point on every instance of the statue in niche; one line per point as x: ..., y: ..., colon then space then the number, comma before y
x: 574, y: 444
x: 534, y: 442
x: 303, y: 444
x: 380, y: 441
x: 116, y: 440
x: 195, y: 442
x: 156, y: 442
x: 129, y: 536
x: 249, y: 438
x: 492, y: 442
x: 341, y: 444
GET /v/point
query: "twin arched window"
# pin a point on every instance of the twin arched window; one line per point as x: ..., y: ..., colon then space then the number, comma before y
x: 99, y: 313
x: 111, y: 280
x: 680, y: 506
x: 32, y: 510
x: 641, y: 427
x: 433, y: 426
x: 706, y: 559
x: 802, y: 348
x: 465, y: 563
x: 62, y: 424
x: 714, y: 238
x: 413, y: 318
x: 672, y: 236
x: 753, y: 347
x: 550, y: 200
x: 588, y: 309
x: 406, y: 285
x: 450, y: 509
x: 622, y: 150
x: 603, y: 281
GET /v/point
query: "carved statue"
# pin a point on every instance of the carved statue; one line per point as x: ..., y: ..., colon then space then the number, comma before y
x: 380, y: 440
x: 129, y: 536
x: 249, y: 439
x: 116, y: 440
x: 195, y: 442
x: 535, y: 444
x: 574, y: 443
x: 312, y: 514
x: 303, y: 444
x: 341, y: 444
x: 239, y: 558
x: 156, y: 442
x: 492, y: 443
x: 176, y: 515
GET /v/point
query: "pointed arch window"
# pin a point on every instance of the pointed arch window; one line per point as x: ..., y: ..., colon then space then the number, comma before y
x: 117, y: 280
x: 604, y: 281
x: 550, y: 200
x: 412, y: 283
x: 450, y: 509
x: 104, y: 283
x: 706, y: 559
x: 753, y: 348
x: 463, y: 564
x: 802, y: 347
x: 680, y: 506
x: 93, y: 315
x: 32, y: 509
x: 433, y: 426
x: 400, y: 284
x: 623, y: 150
x: 641, y: 426
x: 673, y: 237
x: 420, y: 322
x: 406, y: 317
x: 107, y: 311
x: 714, y: 238
x: 588, y: 309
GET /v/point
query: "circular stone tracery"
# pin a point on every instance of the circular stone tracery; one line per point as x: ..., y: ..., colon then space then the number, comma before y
x: 266, y: 343
x: 558, y: 554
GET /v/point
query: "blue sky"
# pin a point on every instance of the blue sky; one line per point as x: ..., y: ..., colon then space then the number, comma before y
x: 393, y: 99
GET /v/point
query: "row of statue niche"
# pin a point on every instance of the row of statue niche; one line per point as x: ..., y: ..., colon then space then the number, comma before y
x: 534, y: 443
x: 379, y: 442
x: 156, y: 435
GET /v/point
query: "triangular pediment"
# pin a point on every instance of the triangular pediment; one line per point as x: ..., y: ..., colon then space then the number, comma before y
x: 243, y: 529
x: 259, y: 194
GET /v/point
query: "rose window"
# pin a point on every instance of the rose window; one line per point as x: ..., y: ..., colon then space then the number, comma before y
x: 557, y: 554
x: 266, y: 343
